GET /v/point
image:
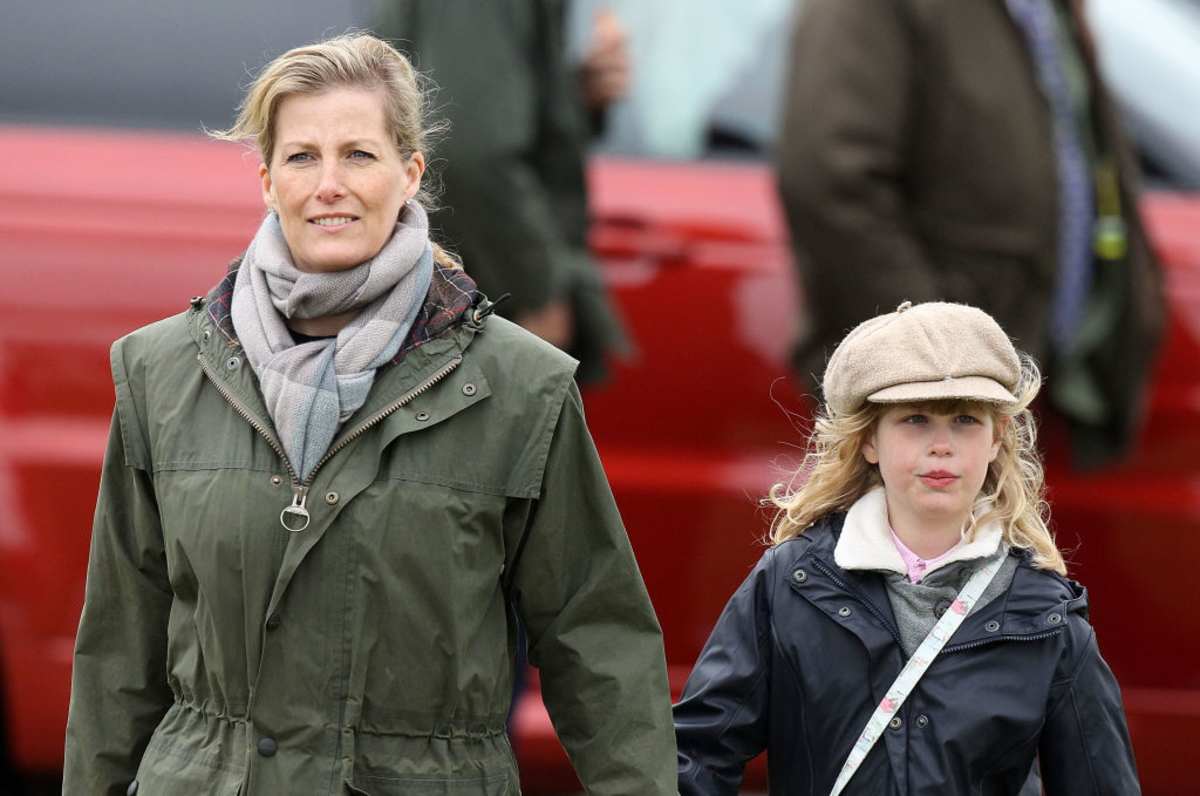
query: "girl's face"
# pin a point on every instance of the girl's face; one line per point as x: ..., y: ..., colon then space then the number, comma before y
x: 933, y: 464
x: 336, y: 178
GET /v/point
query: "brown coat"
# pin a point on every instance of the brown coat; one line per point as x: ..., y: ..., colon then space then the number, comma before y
x: 917, y: 162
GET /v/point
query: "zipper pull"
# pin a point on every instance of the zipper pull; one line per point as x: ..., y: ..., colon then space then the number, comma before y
x: 296, y: 514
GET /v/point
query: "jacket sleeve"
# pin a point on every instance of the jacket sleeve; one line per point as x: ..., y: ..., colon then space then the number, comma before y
x: 721, y: 722
x: 119, y: 689
x: 1085, y: 747
x: 842, y: 159
x: 592, y: 631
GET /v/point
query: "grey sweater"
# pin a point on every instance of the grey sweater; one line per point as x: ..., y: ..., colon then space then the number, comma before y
x: 918, y: 606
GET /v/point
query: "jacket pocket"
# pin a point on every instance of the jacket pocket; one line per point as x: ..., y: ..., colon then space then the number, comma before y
x: 486, y: 785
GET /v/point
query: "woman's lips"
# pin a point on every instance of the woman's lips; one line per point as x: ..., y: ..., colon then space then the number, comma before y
x: 327, y: 224
x: 938, y: 480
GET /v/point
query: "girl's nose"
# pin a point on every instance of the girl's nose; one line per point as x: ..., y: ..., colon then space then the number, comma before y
x: 939, y: 442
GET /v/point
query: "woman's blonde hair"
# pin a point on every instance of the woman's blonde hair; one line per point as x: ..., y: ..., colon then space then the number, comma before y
x: 352, y: 60
x: 835, y: 474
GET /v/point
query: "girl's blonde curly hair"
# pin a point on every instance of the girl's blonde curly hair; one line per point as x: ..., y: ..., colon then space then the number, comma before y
x: 835, y: 474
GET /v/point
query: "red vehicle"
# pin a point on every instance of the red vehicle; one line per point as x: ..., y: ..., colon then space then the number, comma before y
x: 101, y: 232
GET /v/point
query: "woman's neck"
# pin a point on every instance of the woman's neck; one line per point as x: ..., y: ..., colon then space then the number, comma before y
x: 325, y: 326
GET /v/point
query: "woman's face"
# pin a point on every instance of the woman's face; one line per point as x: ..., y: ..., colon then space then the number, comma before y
x: 336, y: 179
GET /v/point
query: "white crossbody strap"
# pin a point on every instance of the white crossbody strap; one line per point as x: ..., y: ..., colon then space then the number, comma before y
x: 915, y: 668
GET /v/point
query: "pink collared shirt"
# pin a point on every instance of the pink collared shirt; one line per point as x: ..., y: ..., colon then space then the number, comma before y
x: 917, y: 566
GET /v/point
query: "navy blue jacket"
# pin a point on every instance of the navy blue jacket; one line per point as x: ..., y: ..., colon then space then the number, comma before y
x: 805, y: 650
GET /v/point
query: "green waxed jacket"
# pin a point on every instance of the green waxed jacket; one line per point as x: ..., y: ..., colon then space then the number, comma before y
x: 372, y: 652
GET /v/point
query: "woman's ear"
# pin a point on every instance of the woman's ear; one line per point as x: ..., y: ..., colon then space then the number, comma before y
x: 268, y: 190
x: 414, y: 169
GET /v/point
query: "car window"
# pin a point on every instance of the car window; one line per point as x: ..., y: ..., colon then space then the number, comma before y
x: 163, y: 64
x: 708, y: 77
x: 1150, y: 56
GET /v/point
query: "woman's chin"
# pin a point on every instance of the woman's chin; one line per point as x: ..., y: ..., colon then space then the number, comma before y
x: 333, y: 261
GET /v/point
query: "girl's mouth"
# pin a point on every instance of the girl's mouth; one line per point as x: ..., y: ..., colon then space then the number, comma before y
x: 938, y: 479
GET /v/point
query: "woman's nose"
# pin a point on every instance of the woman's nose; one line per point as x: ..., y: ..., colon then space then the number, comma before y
x: 331, y: 187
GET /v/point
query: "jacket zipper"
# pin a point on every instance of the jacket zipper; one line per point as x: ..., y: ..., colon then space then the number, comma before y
x: 297, y: 508
x: 984, y: 641
x: 870, y: 605
x: 248, y: 416
x: 376, y: 418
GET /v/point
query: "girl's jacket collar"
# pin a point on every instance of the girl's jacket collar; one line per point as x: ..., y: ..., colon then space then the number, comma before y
x: 1037, y: 602
x: 866, y: 539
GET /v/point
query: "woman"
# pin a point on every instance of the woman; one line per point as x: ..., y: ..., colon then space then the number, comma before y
x: 332, y: 486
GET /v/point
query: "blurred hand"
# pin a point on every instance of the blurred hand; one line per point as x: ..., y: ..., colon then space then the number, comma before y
x: 604, y: 72
x: 553, y: 323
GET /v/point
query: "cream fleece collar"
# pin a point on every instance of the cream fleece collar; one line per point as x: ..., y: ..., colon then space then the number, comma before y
x: 866, y: 540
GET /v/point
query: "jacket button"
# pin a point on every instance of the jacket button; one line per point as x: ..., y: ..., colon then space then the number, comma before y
x: 132, y: 789
x: 844, y: 611
x: 896, y: 723
x: 267, y: 747
x: 800, y: 576
x: 276, y: 480
x: 331, y: 498
x: 207, y: 334
x: 197, y: 302
x: 992, y: 626
x: 422, y: 416
x: 274, y: 621
x: 922, y: 720
x: 469, y: 390
x: 233, y: 363
x: 1054, y: 618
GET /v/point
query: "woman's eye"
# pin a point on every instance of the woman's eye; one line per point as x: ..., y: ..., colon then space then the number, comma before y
x: 360, y: 154
x: 298, y: 157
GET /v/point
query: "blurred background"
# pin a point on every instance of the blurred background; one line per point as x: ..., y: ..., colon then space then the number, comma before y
x: 114, y: 210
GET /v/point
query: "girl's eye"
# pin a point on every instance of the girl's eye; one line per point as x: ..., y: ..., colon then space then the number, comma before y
x: 967, y: 419
x: 914, y: 419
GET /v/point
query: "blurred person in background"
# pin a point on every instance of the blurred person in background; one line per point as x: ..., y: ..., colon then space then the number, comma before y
x: 513, y: 185
x: 967, y: 150
x: 431, y: 471
x: 707, y: 75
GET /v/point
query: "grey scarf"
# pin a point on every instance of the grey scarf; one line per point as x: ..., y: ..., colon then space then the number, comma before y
x: 312, y: 388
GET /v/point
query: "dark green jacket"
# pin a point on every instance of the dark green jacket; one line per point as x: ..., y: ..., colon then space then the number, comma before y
x: 512, y: 161
x: 373, y: 651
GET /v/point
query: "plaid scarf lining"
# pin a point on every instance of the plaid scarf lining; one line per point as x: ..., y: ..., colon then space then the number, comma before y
x: 451, y: 294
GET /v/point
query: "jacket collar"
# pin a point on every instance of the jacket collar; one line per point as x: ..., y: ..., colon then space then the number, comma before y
x: 1036, y: 602
x: 453, y: 313
x: 866, y: 539
x: 452, y: 294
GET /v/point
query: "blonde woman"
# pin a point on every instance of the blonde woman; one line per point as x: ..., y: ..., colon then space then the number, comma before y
x: 333, y: 486
x: 912, y: 629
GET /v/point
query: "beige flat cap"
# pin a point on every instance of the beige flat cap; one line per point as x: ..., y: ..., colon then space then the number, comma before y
x: 923, y: 352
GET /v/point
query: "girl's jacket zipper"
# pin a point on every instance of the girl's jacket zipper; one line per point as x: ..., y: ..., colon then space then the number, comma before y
x: 296, y: 511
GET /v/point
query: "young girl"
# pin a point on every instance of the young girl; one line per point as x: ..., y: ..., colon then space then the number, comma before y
x: 912, y: 630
